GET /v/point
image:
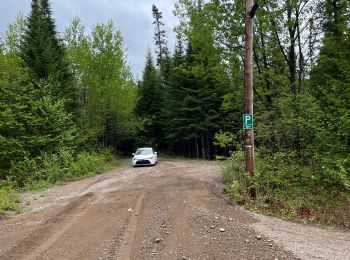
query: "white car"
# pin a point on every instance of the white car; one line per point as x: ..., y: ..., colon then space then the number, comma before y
x: 144, y: 156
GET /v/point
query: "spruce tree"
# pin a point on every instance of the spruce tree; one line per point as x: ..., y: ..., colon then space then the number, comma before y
x: 192, y: 104
x: 44, y: 53
x: 173, y: 100
x: 159, y: 36
x: 163, y: 62
x: 31, y: 120
x: 149, y: 102
x: 150, y: 98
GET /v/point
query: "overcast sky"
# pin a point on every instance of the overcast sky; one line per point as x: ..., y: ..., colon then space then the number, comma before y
x: 132, y: 17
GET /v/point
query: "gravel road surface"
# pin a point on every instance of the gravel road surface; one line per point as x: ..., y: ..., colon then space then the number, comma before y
x: 171, y: 211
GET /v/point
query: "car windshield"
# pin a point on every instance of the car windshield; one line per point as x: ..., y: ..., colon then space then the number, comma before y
x: 144, y: 151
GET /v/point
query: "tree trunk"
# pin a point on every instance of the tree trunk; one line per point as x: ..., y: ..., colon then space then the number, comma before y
x: 301, y: 56
x: 291, y: 54
x: 208, y: 155
x: 203, y: 146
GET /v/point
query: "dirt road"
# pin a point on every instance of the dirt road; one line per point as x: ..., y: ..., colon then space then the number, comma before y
x: 170, y: 211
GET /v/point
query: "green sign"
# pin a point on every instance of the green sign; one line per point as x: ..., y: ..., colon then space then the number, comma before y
x: 248, y: 121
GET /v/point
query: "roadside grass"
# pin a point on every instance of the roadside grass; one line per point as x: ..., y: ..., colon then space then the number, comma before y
x: 287, y: 191
x: 33, y: 175
x: 9, y: 198
x: 309, y: 209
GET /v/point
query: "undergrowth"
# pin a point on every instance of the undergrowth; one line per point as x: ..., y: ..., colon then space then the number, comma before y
x: 50, y: 169
x: 8, y: 198
x: 284, y: 188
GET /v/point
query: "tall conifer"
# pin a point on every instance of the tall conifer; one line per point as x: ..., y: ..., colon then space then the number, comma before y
x: 44, y: 53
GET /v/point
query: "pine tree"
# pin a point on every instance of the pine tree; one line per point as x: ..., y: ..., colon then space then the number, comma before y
x: 160, y: 40
x: 173, y: 101
x: 149, y: 102
x: 44, y: 53
x: 192, y: 105
x: 159, y: 36
x: 31, y: 120
x: 163, y: 62
x: 150, y: 99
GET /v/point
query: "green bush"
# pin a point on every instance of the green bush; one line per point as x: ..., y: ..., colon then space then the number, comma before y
x: 49, y: 169
x: 8, y: 198
x: 235, y: 178
x: 235, y: 171
x: 287, y: 188
x: 63, y: 166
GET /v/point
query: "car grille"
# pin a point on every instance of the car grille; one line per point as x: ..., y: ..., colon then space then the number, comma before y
x: 143, y: 162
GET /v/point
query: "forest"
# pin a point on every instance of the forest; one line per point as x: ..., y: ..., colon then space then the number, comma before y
x: 69, y: 101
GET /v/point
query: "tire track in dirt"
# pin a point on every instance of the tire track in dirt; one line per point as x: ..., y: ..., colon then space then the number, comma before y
x: 149, y: 242
x: 51, y: 240
x: 183, y: 241
x: 37, y: 239
x: 175, y: 198
x: 128, y: 239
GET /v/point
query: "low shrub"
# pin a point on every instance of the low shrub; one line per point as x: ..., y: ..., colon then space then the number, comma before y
x: 49, y: 169
x: 60, y: 167
x: 8, y: 198
x: 286, y: 188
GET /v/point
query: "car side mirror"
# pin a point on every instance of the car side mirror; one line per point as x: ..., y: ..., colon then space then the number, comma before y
x: 133, y: 153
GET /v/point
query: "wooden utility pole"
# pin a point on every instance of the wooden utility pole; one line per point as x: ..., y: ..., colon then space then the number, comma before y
x: 249, y: 142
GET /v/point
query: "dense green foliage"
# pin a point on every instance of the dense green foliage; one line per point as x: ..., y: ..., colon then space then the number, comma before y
x: 107, y: 94
x: 44, y: 54
x: 148, y: 104
x: 32, y: 120
x: 289, y: 190
x: 301, y: 103
x: 60, y: 102
x: 65, y: 165
x: 182, y: 97
x: 34, y: 174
